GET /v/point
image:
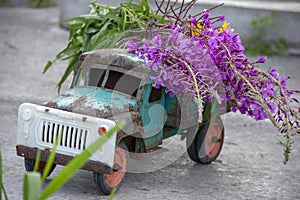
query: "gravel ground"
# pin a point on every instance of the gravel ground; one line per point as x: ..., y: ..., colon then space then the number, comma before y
x: 249, y: 166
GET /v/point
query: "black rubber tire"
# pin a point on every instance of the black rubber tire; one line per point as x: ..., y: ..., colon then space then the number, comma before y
x: 99, y: 178
x: 29, y: 166
x: 196, y: 149
x: 191, y: 145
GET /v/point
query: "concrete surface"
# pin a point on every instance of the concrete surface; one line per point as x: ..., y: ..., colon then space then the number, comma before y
x: 249, y: 167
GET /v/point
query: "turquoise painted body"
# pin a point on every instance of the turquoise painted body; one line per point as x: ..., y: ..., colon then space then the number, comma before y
x: 153, y: 116
x: 94, y: 101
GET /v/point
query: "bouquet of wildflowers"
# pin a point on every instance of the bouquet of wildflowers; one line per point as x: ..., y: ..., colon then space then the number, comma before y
x: 198, y: 56
x: 201, y: 57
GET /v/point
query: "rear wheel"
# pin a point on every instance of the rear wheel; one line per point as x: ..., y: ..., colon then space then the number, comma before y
x: 29, y: 166
x: 206, y: 146
x: 106, y: 182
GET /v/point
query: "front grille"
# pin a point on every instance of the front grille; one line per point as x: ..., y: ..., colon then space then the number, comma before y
x: 71, y: 137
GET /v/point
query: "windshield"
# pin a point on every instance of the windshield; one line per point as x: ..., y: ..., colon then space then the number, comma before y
x: 109, y: 79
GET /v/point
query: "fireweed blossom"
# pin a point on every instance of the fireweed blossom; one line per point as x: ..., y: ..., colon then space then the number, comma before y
x: 204, y: 61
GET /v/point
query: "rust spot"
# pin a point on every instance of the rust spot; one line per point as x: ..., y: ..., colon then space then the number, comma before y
x: 131, y: 108
x: 117, y: 58
x: 79, y: 101
x: 66, y: 95
x: 115, y: 99
x: 89, y: 111
x: 136, y: 118
x: 51, y: 104
x: 108, y: 108
x: 61, y: 159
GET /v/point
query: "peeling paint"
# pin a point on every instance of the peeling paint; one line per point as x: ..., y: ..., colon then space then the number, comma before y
x: 93, y: 101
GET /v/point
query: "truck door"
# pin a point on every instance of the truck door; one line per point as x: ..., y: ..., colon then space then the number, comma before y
x: 153, y: 115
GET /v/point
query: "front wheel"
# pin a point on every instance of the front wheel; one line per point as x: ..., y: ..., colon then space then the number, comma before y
x: 106, y: 182
x: 29, y: 166
x: 206, y: 146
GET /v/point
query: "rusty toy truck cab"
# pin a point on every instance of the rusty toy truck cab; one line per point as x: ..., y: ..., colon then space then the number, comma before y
x: 112, y: 85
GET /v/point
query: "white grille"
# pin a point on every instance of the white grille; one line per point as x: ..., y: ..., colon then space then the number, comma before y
x: 73, y: 138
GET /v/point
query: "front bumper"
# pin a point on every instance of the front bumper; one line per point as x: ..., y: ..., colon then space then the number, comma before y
x: 61, y: 159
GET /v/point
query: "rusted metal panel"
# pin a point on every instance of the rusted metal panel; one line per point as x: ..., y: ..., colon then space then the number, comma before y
x: 61, y: 159
x: 94, y: 102
x: 114, y: 57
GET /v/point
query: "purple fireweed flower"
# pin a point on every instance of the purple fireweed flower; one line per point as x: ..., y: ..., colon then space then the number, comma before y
x: 193, y: 21
x: 157, y: 40
x: 222, y: 18
x: 273, y: 72
x: 132, y: 46
x: 261, y: 59
x: 283, y: 81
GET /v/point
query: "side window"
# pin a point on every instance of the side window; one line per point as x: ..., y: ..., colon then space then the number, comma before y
x: 123, y: 82
x: 155, y: 94
x: 96, y: 77
x: 113, y: 79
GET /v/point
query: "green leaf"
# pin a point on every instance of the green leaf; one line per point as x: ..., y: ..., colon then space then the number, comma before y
x: 1, y: 183
x: 71, y: 67
x: 51, y: 158
x: 76, y: 164
x: 112, y: 194
x: 75, y: 26
x: 47, y: 66
x: 37, y: 160
x: 99, y: 36
x: 32, y: 185
x: 91, y: 17
x: 73, y: 20
x: 69, y: 51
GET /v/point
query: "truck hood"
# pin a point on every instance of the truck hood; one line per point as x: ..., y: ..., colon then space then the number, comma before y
x: 93, y: 101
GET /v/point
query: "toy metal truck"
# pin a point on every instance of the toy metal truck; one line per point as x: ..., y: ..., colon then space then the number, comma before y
x: 111, y: 85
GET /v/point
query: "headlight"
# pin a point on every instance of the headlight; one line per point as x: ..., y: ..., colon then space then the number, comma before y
x: 102, y: 130
x: 27, y: 115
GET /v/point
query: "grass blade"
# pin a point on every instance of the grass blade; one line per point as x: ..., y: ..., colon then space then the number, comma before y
x: 37, y: 160
x: 112, y: 194
x: 76, y: 164
x: 32, y: 186
x: 1, y: 183
x: 51, y: 158
x: 47, y: 66
x: 71, y: 67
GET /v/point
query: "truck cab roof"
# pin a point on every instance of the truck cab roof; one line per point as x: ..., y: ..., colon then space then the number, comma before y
x: 119, y: 58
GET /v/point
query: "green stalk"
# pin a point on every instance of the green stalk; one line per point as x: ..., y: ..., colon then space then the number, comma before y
x: 195, y: 84
x: 37, y: 160
x: 2, y: 189
x: 51, y: 158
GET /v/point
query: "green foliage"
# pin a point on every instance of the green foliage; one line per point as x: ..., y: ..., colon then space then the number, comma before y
x: 257, y: 46
x: 99, y: 29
